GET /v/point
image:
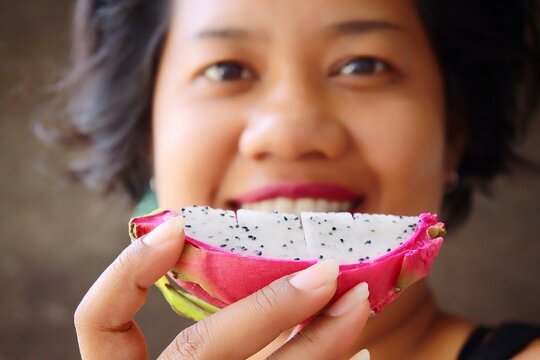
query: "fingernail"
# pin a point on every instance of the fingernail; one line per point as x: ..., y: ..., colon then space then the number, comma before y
x: 165, y: 232
x: 349, y: 301
x: 295, y: 331
x: 316, y: 276
x: 362, y: 355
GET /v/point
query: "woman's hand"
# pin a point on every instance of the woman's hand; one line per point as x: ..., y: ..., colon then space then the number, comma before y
x: 106, y: 329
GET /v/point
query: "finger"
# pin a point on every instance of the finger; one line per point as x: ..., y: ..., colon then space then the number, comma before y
x: 104, y: 318
x: 333, y: 334
x: 245, y: 327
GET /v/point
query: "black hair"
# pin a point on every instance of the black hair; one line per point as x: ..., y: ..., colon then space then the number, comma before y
x: 115, y: 54
x: 488, y: 53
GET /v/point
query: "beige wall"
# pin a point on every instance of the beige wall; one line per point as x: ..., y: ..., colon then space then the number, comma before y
x: 57, y: 237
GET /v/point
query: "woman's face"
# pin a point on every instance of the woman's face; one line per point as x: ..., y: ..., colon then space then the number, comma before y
x: 299, y: 105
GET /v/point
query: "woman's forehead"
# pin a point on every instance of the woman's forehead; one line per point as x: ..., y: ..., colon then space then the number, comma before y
x: 264, y: 17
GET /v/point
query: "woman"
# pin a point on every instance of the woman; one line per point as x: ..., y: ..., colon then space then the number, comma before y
x: 410, y: 105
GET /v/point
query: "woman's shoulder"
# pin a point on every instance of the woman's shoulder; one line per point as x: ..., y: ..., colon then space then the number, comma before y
x: 532, y: 351
x: 505, y: 341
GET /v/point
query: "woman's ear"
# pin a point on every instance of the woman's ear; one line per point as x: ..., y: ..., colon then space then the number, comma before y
x: 456, y: 143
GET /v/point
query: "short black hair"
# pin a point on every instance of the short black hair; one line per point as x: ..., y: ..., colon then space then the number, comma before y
x: 488, y: 53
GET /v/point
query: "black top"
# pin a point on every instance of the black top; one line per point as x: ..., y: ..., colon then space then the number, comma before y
x: 499, y: 343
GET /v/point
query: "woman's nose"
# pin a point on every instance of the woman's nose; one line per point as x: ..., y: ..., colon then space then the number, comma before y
x: 292, y: 121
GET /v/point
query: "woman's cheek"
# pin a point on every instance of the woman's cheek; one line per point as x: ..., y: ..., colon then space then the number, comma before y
x: 192, y: 152
x: 404, y: 150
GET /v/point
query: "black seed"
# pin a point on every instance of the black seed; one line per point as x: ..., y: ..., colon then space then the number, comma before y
x: 320, y: 256
x: 322, y: 244
x: 361, y: 259
x: 405, y: 231
x: 334, y: 228
x: 188, y: 226
x: 330, y: 233
x: 348, y: 226
x: 259, y: 253
x: 231, y: 227
x: 368, y: 242
x: 295, y: 218
x: 262, y: 246
x: 284, y: 217
x: 292, y: 242
x: 289, y: 228
x: 318, y: 222
x: 325, y: 220
x: 222, y: 214
x: 366, y: 220
x: 284, y: 245
x: 232, y: 250
x: 227, y: 239
x: 400, y: 243
x: 237, y: 238
x: 350, y: 249
x: 399, y: 237
x: 256, y: 227
x: 245, y: 228
x: 372, y: 230
x: 211, y: 236
x: 274, y: 212
x: 388, y: 250
x: 183, y: 209
x: 296, y: 258
x: 237, y: 226
x: 394, y: 221
x: 367, y: 257
x: 401, y: 217
x: 244, y: 248
x: 251, y: 237
x: 223, y: 245
x: 342, y: 241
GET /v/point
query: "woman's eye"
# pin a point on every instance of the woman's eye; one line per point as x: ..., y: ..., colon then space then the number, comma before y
x: 227, y: 71
x: 363, y: 66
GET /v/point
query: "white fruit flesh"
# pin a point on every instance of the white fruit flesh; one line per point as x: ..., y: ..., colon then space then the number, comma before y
x: 275, y: 235
x: 341, y: 236
x: 355, y: 238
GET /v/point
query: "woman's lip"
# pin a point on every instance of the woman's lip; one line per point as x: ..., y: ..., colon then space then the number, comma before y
x: 324, y: 191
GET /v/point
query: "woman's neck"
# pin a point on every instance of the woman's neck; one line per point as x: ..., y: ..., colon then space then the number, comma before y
x: 415, y: 328
x: 401, y: 328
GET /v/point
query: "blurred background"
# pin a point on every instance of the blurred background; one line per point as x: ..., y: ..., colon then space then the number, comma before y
x: 57, y: 236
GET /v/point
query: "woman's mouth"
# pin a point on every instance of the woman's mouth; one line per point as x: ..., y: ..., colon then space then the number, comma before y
x: 295, y: 198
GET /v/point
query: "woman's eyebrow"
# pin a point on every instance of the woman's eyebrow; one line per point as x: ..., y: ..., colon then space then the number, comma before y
x: 354, y: 27
x: 228, y: 33
x: 349, y: 27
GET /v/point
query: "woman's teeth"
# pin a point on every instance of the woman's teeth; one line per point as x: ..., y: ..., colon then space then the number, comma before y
x: 287, y: 205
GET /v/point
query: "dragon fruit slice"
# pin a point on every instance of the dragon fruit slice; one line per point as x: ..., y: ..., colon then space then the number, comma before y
x: 228, y: 256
